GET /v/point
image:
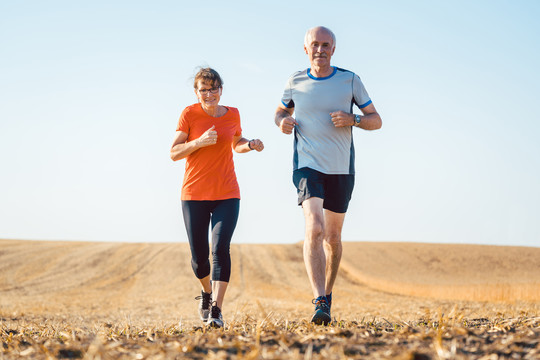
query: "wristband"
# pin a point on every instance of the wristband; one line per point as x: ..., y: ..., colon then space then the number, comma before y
x: 249, y: 145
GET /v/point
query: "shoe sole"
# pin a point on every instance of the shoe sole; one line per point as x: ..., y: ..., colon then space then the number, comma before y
x: 321, y: 318
x: 214, y: 324
x: 205, y: 318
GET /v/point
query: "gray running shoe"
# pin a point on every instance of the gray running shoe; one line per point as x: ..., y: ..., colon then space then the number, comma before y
x: 322, y: 311
x: 204, y: 305
x: 216, y: 319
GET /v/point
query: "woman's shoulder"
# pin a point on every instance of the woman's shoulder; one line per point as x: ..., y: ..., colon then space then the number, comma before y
x: 191, y: 110
x: 232, y: 110
x: 193, y: 107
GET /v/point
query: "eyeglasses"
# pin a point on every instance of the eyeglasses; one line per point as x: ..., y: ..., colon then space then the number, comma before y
x: 206, y: 91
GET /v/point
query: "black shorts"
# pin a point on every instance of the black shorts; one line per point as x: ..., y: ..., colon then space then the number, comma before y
x: 335, y: 190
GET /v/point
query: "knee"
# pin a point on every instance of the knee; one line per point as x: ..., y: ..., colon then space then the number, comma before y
x: 333, y: 239
x: 221, y: 250
x: 201, y: 268
x: 314, y: 232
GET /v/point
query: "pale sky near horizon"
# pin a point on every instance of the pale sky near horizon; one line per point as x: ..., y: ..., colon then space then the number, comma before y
x: 90, y: 94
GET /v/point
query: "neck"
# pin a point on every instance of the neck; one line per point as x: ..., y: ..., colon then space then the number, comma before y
x: 323, y: 71
x: 213, y: 111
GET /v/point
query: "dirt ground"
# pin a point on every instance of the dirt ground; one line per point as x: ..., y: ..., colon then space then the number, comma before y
x: 391, y: 300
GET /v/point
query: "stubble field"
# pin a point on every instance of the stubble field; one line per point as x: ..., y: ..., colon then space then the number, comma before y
x: 391, y: 300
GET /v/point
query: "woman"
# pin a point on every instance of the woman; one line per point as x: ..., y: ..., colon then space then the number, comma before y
x: 205, y: 134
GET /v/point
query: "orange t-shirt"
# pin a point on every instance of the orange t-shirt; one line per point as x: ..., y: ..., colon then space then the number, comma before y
x: 209, y: 171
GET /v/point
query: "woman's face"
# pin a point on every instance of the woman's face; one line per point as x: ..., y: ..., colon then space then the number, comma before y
x: 207, y: 94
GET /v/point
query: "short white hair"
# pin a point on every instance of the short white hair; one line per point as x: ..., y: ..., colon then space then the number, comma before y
x: 308, y: 34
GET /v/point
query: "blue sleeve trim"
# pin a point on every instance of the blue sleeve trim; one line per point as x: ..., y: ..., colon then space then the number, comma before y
x: 366, y: 104
x: 288, y: 106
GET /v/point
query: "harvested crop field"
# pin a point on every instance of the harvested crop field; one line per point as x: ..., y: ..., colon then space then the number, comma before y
x: 391, y: 300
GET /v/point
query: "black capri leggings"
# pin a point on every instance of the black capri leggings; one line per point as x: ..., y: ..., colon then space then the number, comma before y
x: 197, y: 216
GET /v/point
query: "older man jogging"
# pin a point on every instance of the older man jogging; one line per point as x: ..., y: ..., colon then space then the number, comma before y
x: 321, y: 98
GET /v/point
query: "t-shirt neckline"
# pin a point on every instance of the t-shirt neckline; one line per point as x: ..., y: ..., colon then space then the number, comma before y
x: 321, y: 78
x: 216, y: 117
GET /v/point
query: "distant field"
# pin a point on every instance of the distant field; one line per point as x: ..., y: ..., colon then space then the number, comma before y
x: 109, y: 299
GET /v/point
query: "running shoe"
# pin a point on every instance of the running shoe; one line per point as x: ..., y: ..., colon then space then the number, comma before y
x: 329, y: 299
x: 204, y: 305
x: 216, y: 319
x: 322, y: 311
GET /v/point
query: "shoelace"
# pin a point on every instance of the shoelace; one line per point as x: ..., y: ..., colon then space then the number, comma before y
x: 321, y: 303
x: 205, y: 300
x: 215, y: 312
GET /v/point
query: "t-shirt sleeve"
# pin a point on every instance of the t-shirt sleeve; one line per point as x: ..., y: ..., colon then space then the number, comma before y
x: 238, y: 125
x: 183, y: 122
x: 361, y: 97
x: 286, y: 99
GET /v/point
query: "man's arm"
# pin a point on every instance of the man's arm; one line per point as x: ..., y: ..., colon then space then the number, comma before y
x: 284, y: 119
x: 370, y: 121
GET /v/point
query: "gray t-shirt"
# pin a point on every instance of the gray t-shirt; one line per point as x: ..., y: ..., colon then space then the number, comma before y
x: 318, y: 144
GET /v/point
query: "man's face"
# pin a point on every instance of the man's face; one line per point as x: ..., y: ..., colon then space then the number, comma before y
x: 320, y: 48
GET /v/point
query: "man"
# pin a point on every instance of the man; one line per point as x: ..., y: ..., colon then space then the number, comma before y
x: 321, y: 98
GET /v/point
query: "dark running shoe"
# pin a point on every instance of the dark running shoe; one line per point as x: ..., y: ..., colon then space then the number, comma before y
x: 216, y: 319
x: 322, y: 311
x: 329, y: 299
x: 204, y: 305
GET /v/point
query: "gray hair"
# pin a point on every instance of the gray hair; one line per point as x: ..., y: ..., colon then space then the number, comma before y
x: 308, y: 34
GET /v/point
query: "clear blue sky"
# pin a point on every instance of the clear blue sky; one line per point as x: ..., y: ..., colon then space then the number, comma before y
x: 90, y: 94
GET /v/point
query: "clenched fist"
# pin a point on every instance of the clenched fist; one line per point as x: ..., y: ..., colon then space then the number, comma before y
x: 287, y: 125
x: 342, y: 119
x: 208, y: 138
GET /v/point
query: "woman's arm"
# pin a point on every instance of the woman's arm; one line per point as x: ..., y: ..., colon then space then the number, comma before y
x: 182, y: 148
x: 243, y: 145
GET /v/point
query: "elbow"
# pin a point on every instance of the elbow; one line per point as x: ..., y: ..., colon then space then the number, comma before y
x: 373, y: 124
x: 377, y: 123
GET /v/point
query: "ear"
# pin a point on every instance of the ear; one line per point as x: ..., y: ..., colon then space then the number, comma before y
x: 333, y: 49
x: 305, y: 49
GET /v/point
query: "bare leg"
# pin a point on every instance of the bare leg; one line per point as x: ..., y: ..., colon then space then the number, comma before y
x: 206, y: 284
x: 332, y: 246
x: 219, y: 288
x: 314, y: 257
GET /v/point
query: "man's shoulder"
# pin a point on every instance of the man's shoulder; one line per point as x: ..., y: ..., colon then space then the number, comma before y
x: 347, y: 75
x: 299, y: 74
x: 344, y: 71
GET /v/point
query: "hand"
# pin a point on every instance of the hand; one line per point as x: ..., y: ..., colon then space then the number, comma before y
x: 256, y: 144
x: 342, y: 119
x: 287, y: 125
x: 208, y: 138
